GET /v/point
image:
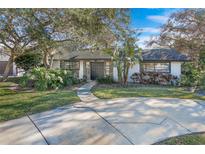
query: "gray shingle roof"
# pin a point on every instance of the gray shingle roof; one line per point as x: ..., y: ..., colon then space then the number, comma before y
x: 163, y: 54
x: 92, y: 55
x: 158, y: 54
x: 86, y: 54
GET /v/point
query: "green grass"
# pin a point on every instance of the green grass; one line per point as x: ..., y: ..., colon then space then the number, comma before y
x: 147, y: 91
x: 14, y: 104
x: 7, y: 84
x: 194, y: 139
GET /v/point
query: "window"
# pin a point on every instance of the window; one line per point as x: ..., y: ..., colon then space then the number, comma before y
x: 71, y: 65
x: 156, y: 67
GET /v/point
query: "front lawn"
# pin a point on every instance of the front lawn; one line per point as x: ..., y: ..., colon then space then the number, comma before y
x: 194, y: 139
x: 15, y: 104
x: 107, y: 92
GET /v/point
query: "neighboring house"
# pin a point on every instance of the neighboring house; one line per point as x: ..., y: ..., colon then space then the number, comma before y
x: 93, y: 65
x: 14, y: 71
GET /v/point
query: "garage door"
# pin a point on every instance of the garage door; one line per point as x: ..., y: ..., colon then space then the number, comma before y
x: 3, y: 66
x: 97, y: 70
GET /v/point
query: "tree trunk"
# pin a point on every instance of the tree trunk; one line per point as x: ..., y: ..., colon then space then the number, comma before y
x: 51, y: 61
x: 45, y: 60
x: 8, y: 68
x: 126, y: 71
x: 119, y: 73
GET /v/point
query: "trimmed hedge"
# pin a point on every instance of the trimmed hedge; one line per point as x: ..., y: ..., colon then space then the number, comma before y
x: 105, y: 80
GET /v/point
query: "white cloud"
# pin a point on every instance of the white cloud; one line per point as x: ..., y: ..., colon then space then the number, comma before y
x: 158, y: 18
x: 142, y: 41
x: 144, y: 38
x: 164, y: 17
x: 150, y: 30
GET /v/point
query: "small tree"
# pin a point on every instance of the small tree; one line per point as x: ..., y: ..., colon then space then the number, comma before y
x: 28, y: 61
x: 125, y: 57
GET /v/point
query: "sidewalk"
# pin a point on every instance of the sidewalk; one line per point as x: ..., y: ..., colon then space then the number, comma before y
x: 85, y: 94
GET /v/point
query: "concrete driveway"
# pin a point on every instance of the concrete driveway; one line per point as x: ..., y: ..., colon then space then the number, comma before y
x: 116, y: 121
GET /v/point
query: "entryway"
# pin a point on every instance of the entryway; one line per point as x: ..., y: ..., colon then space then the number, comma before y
x: 97, y: 70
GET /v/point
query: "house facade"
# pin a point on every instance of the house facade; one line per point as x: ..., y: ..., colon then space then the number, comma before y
x: 93, y: 65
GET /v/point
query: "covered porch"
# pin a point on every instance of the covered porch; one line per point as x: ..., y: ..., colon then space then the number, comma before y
x: 93, y: 69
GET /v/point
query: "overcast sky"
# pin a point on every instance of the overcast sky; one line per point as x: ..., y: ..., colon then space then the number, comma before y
x: 150, y: 21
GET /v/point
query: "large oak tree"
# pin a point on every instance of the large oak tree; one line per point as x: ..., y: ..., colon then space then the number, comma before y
x: 23, y: 30
x: 185, y: 31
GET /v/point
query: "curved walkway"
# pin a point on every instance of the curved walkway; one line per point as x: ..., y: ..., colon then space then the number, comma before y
x: 114, y: 121
x: 148, y: 120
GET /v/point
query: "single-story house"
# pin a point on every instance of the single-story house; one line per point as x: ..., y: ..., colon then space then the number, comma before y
x: 93, y: 65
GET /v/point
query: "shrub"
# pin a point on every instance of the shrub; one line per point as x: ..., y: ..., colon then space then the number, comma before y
x: 190, y: 75
x: 154, y: 78
x: 105, y: 80
x: 28, y: 61
x: 203, y: 81
x: 43, y: 79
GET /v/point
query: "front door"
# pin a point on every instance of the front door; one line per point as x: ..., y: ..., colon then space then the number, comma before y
x: 97, y: 70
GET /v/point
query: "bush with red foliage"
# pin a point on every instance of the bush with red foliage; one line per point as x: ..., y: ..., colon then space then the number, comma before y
x: 154, y: 78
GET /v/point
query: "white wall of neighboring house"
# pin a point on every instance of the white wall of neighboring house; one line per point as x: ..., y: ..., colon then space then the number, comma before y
x: 176, y: 68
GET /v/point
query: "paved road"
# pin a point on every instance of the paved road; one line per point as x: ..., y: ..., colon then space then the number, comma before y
x: 114, y: 121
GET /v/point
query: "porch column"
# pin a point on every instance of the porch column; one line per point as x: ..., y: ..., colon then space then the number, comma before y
x: 14, y: 70
x: 107, y: 68
x: 87, y: 65
x: 81, y: 70
x: 115, y: 72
